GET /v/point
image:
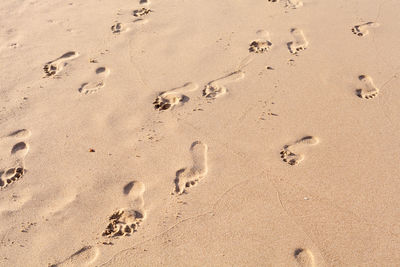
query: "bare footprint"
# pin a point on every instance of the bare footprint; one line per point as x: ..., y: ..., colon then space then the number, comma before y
x: 126, y: 221
x: 117, y: 28
x: 83, y: 257
x: 141, y: 12
x: 369, y: 89
x: 190, y: 176
x: 261, y: 45
x: 54, y: 67
x: 362, y: 29
x: 173, y: 97
x: 304, y: 257
x: 294, y: 4
x: 218, y: 88
x: 14, y: 162
x: 289, y: 153
x: 101, y: 74
x: 300, y: 42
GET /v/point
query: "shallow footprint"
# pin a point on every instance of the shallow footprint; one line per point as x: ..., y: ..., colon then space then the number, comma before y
x: 126, y: 221
x: 190, y: 176
x: 370, y: 90
x: 54, y: 67
x: 300, y: 42
x: 294, y: 4
x: 304, y: 257
x: 289, y: 152
x: 83, y: 257
x: 362, y: 29
x: 171, y: 98
x: 218, y: 88
x: 93, y: 87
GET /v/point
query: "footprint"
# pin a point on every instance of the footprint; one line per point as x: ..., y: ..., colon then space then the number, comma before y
x: 289, y: 152
x: 294, y: 4
x: 304, y: 257
x: 190, y: 176
x: 362, y: 29
x: 261, y: 45
x: 93, y: 87
x: 370, y: 90
x: 117, y: 28
x: 9, y: 175
x: 83, y: 257
x: 54, y: 67
x: 218, y: 88
x: 126, y: 221
x: 300, y: 42
x: 141, y: 12
x: 171, y: 98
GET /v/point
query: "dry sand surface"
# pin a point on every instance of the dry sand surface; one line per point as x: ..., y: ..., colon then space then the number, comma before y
x: 200, y: 133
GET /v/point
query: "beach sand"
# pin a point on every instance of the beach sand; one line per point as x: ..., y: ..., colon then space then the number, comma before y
x: 199, y: 133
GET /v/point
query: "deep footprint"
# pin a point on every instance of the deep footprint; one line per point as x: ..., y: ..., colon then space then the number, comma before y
x: 169, y: 99
x: 369, y: 89
x: 54, y: 67
x: 289, y: 153
x: 188, y: 177
x: 217, y: 88
x: 125, y: 221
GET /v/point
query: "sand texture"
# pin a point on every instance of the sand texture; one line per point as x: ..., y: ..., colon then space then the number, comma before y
x: 199, y: 133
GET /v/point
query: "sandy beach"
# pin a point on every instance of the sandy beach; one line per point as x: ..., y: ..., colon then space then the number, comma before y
x: 199, y: 133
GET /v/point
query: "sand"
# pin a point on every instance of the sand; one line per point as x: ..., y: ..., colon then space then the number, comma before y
x: 199, y: 133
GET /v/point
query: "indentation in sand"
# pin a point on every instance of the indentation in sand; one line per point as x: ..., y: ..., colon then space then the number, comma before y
x: 218, y: 88
x: 125, y: 221
x: 84, y: 257
x: 97, y: 83
x: 304, y: 257
x: 290, y: 153
x: 300, y: 42
x: 54, y: 67
x: 188, y: 177
x: 369, y: 89
x: 169, y: 99
x: 363, y: 29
